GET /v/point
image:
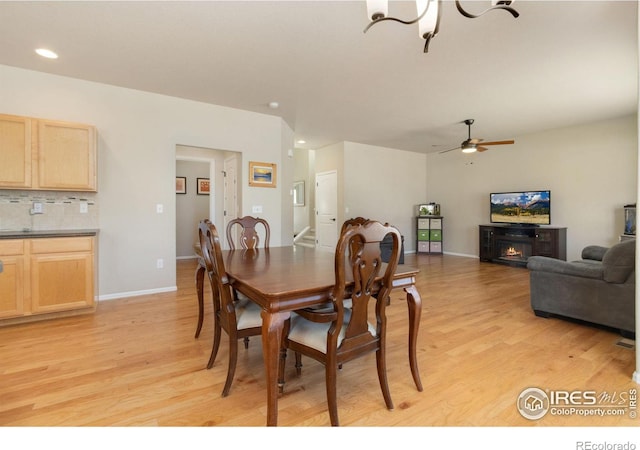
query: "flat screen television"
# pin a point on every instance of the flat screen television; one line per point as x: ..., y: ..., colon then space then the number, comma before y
x: 522, y: 208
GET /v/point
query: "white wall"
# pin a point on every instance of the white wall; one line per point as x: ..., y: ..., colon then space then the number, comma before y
x: 137, y: 137
x: 302, y: 172
x: 284, y: 188
x: 385, y: 184
x: 191, y: 208
x: 590, y: 169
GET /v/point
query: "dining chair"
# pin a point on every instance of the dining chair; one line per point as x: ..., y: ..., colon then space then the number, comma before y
x: 238, y: 318
x: 353, y: 221
x: 337, y: 335
x: 249, y: 236
x: 201, y: 269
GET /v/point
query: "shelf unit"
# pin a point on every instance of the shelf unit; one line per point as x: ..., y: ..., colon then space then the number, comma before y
x: 429, y: 234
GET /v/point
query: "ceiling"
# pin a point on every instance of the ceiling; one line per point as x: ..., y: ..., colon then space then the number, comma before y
x: 558, y: 64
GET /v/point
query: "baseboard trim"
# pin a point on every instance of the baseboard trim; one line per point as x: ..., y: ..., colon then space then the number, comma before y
x: 462, y: 254
x: 137, y: 293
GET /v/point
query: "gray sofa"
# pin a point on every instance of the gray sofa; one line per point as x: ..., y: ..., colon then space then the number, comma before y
x: 599, y: 289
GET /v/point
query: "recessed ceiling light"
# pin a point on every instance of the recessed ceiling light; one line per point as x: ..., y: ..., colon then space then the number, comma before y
x: 46, y: 53
x: 301, y: 141
x: 273, y: 105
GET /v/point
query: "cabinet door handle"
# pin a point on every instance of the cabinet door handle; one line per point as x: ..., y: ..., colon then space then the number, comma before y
x: 1, y: 266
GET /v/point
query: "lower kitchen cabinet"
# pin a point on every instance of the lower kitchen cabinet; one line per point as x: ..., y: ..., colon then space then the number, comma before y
x: 11, y: 278
x: 46, y: 277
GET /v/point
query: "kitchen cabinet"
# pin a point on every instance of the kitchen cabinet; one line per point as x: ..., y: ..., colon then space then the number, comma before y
x: 61, y: 274
x: 11, y: 278
x: 43, y: 154
x: 46, y: 277
x: 15, y: 151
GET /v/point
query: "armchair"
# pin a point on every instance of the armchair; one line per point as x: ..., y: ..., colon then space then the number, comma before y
x: 599, y: 288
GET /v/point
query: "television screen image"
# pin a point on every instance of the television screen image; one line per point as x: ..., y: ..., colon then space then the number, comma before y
x: 525, y: 208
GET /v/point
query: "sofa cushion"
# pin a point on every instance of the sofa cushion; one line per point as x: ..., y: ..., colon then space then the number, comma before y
x: 619, y: 262
x: 594, y: 252
x: 583, y: 269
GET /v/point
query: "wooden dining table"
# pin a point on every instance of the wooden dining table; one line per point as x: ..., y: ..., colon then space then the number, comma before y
x: 283, y: 279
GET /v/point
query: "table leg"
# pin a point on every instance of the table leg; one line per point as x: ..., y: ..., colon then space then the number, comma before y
x: 272, y: 325
x: 415, y: 310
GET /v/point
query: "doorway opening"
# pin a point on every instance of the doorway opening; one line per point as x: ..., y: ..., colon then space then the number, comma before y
x: 201, y: 168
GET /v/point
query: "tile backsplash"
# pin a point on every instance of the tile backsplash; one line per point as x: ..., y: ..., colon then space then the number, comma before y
x: 60, y: 210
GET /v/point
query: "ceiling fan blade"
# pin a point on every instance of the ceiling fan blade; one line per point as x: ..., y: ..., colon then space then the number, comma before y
x: 475, y: 141
x: 499, y: 142
x: 481, y: 149
x: 451, y: 149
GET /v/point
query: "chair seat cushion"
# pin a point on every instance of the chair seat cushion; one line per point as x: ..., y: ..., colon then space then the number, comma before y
x: 314, y: 335
x: 240, y: 295
x: 248, y: 314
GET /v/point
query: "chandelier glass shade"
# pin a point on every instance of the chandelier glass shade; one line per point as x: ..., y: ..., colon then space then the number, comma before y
x: 428, y: 19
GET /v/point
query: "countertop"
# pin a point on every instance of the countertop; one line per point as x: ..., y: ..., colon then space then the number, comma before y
x: 32, y: 234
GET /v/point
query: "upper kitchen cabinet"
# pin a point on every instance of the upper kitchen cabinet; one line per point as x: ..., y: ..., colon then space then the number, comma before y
x: 47, y: 155
x: 66, y: 156
x: 15, y: 152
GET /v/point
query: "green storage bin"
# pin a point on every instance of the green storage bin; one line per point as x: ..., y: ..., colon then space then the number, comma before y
x: 423, y: 235
x: 435, y: 235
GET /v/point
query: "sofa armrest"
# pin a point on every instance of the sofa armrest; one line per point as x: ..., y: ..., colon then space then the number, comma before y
x: 594, y: 252
x: 576, y: 269
x: 619, y: 262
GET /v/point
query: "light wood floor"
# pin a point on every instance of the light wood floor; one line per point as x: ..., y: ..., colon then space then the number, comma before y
x: 135, y: 362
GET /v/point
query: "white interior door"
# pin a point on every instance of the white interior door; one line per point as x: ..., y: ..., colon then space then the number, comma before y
x: 230, y: 193
x: 327, y: 210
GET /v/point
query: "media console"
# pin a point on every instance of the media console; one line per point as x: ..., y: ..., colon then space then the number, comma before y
x: 514, y: 244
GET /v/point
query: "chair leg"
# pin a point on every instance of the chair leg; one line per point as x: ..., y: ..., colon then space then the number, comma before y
x: 233, y: 358
x: 246, y: 342
x: 298, y: 364
x: 382, y: 377
x: 331, y: 370
x: 200, y: 289
x: 217, y: 331
x: 281, y: 365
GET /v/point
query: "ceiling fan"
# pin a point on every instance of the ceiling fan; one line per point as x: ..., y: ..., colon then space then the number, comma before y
x: 471, y: 145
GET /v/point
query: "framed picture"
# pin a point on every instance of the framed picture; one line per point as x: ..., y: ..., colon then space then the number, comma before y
x: 203, y: 186
x: 181, y: 185
x: 430, y: 209
x: 262, y: 174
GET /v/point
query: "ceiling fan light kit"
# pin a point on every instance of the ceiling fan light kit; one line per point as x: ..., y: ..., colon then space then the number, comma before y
x: 428, y: 15
x: 471, y: 145
x: 469, y: 148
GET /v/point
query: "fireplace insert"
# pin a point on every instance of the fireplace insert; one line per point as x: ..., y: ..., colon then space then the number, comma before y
x: 514, y: 251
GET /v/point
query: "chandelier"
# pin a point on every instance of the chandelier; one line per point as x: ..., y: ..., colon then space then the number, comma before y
x: 428, y: 15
